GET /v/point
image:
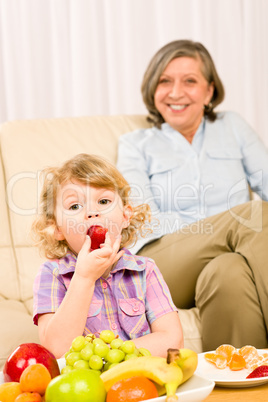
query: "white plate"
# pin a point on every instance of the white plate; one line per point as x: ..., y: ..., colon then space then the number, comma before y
x: 226, y: 377
x: 196, y: 389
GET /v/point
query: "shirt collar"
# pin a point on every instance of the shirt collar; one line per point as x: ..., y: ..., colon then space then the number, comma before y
x: 198, y: 137
x: 166, y: 128
x: 67, y: 264
x: 127, y: 261
x: 130, y: 262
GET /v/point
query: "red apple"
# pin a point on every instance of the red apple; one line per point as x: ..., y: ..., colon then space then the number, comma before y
x: 25, y: 355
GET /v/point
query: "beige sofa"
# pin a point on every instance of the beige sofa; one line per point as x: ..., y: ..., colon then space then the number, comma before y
x: 26, y: 148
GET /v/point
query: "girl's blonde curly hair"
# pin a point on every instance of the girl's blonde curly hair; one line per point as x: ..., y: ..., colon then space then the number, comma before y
x: 96, y: 172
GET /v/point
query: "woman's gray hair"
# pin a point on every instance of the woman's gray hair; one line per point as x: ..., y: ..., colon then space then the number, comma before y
x: 180, y: 48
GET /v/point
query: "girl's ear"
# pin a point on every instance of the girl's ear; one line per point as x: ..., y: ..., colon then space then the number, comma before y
x: 58, y: 234
x: 127, y: 213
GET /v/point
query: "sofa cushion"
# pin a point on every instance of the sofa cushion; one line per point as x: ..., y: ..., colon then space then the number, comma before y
x: 16, y: 328
x: 191, y: 326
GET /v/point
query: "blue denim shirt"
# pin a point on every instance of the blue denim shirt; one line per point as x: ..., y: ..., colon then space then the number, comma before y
x: 183, y: 182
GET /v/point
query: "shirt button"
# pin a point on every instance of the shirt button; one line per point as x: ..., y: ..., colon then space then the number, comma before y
x: 135, y: 307
x: 114, y: 326
x: 104, y: 285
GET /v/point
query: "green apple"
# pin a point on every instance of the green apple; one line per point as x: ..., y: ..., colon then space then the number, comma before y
x: 79, y: 385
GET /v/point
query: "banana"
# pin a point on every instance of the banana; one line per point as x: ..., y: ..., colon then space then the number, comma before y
x: 167, y: 375
x: 187, y: 360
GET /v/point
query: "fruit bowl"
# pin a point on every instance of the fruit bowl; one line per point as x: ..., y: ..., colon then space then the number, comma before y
x: 196, y: 389
x: 61, y: 363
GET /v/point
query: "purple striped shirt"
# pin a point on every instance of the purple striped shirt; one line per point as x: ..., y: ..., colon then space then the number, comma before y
x: 127, y: 302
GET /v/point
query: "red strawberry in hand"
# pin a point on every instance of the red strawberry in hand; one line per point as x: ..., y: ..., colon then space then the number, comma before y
x: 261, y: 371
x: 97, y: 234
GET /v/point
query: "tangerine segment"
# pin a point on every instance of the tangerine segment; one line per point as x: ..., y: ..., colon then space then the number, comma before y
x: 250, y: 355
x: 237, y: 362
x: 35, y: 378
x: 220, y: 361
x: 264, y: 359
x: 248, y: 352
x: 9, y: 391
x: 255, y: 362
x: 133, y: 389
x: 226, y: 351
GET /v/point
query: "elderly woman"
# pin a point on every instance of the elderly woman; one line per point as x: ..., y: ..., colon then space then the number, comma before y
x: 194, y: 167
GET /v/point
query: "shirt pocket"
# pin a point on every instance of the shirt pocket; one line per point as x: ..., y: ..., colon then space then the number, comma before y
x: 225, y: 163
x: 95, y: 308
x: 164, y: 176
x: 132, y: 317
x: 229, y: 153
x: 93, y: 324
x: 160, y: 165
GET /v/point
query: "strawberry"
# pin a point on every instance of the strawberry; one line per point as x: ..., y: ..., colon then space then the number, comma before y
x: 261, y: 371
x: 97, y: 234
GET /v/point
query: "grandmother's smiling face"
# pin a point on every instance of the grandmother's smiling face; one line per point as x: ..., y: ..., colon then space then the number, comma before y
x: 181, y: 94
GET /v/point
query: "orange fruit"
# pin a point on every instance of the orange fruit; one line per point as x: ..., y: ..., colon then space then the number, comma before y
x: 29, y: 397
x: 9, y: 391
x: 35, y: 378
x: 220, y: 361
x: 226, y: 351
x: 237, y: 362
x: 133, y: 389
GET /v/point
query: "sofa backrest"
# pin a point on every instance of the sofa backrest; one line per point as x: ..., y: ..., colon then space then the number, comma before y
x: 27, y: 147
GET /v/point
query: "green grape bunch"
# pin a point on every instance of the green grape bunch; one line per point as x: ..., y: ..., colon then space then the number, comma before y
x: 100, y: 353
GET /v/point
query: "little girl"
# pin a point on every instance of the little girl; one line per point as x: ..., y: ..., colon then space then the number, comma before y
x: 79, y: 291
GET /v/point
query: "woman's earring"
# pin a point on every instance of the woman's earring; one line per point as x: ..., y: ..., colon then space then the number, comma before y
x: 208, y: 108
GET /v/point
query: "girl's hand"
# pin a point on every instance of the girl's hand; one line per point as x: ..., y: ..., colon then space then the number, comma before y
x: 93, y: 264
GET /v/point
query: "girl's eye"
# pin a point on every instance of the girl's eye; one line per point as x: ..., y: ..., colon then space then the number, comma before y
x: 104, y: 201
x: 75, y: 207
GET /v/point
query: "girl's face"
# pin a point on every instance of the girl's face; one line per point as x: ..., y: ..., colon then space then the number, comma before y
x: 79, y: 206
x: 181, y: 94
